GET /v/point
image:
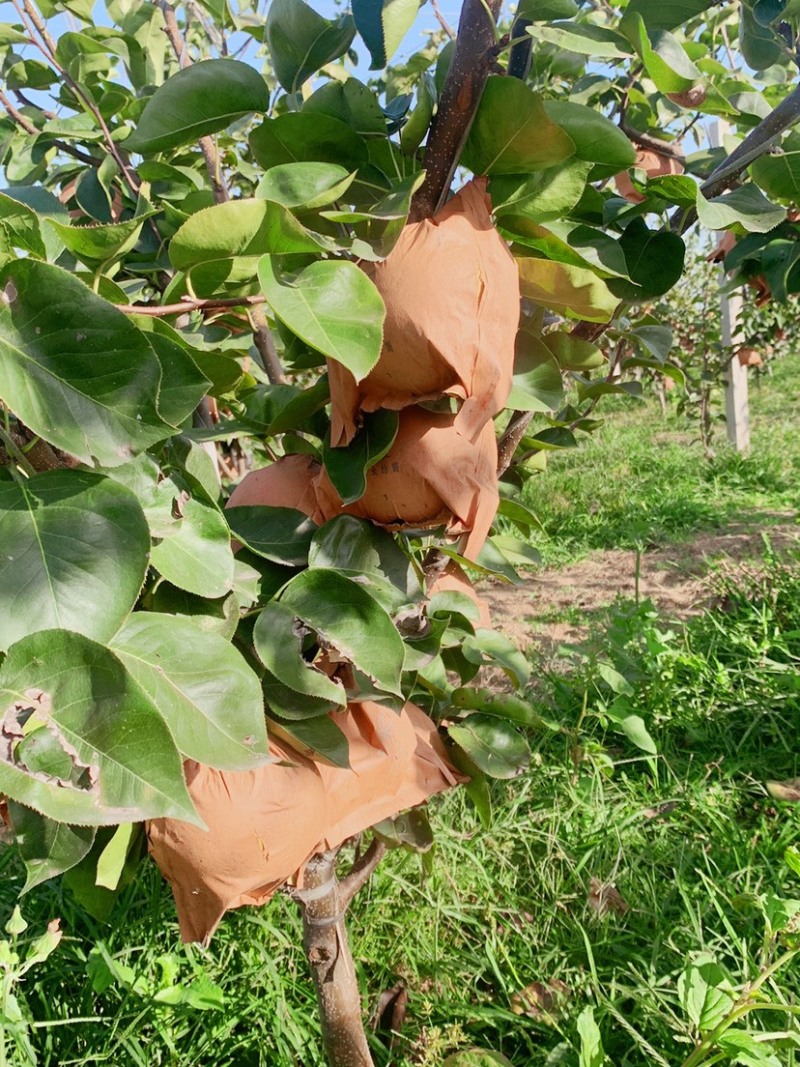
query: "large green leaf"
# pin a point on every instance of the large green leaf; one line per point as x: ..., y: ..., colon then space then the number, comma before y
x: 347, y: 617
x: 279, y: 534
x: 760, y: 45
x: 279, y: 644
x: 122, y: 763
x: 47, y: 848
x: 251, y: 227
x: 201, y: 99
x: 300, y: 41
x: 537, y: 384
x: 183, y: 384
x: 347, y: 467
x: 746, y: 205
x: 383, y: 24
x: 655, y: 262
x: 75, y: 552
x: 195, y: 553
x: 332, y: 306
x: 596, y: 138
x: 583, y: 38
x: 299, y: 137
x: 75, y: 369
x: 564, y: 242
x: 663, y: 55
x: 512, y: 133
x: 201, y: 685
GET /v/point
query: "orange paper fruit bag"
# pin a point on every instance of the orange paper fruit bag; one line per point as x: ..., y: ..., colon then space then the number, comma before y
x: 451, y: 290
x: 264, y: 825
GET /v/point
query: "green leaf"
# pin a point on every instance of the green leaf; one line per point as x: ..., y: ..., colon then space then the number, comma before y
x: 300, y: 137
x: 196, y: 552
x: 583, y: 38
x: 632, y: 726
x: 667, y: 14
x: 512, y: 133
x: 47, y: 848
x: 332, y: 306
x: 58, y: 342
x: 383, y: 24
x: 591, y: 1051
x: 495, y: 746
x: 537, y: 384
x: 489, y: 646
x: 743, y: 1047
x: 573, y: 291
x: 75, y: 553
x: 705, y: 991
x: 356, y: 546
x: 596, y: 138
x: 98, y: 244
x: 419, y: 119
x: 241, y: 228
x: 183, y: 384
x: 746, y: 205
x: 300, y: 41
x: 410, y: 830
x: 664, y: 57
x: 111, y: 861
x: 279, y: 643
x: 201, y: 99
x: 564, y: 242
x: 347, y: 467
x: 655, y: 262
x: 546, y: 10
x: 279, y: 534
x: 573, y: 353
x: 124, y: 763
x: 346, y: 616
x: 319, y: 736
x: 759, y: 45
x: 291, y: 706
x: 305, y: 185
x: 19, y: 229
x: 779, y: 175
x: 543, y: 195
x: 201, y: 685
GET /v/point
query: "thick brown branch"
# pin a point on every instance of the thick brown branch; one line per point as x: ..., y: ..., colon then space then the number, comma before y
x: 458, y: 103
x: 507, y: 445
x: 262, y: 338
x: 655, y: 144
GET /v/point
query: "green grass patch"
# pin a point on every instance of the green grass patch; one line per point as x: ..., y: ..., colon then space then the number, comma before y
x: 641, y: 480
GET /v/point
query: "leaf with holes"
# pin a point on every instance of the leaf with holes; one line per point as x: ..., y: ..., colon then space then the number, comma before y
x: 347, y: 617
x: 121, y: 761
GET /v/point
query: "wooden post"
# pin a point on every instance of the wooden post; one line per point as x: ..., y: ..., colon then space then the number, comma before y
x: 737, y: 407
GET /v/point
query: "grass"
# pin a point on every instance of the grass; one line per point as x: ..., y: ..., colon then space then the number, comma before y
x: 688, y: 836
x: 642, y: 480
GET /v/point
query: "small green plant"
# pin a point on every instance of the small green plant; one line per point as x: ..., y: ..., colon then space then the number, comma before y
x: 18, y: 955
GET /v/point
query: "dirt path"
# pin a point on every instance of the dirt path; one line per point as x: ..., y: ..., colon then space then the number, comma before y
x: 552, y: 608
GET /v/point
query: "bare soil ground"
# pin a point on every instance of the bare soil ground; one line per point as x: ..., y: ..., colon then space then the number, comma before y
x: 555, y: 606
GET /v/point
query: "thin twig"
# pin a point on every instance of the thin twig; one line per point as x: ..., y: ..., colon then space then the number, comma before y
x: 655, y: 144
x: 360, y: 872
x: 25, y: 124
x: 448, y: 29
x: 212, y: 303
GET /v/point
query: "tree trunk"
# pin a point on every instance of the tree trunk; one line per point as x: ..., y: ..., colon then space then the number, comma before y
x: 328, y: 952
